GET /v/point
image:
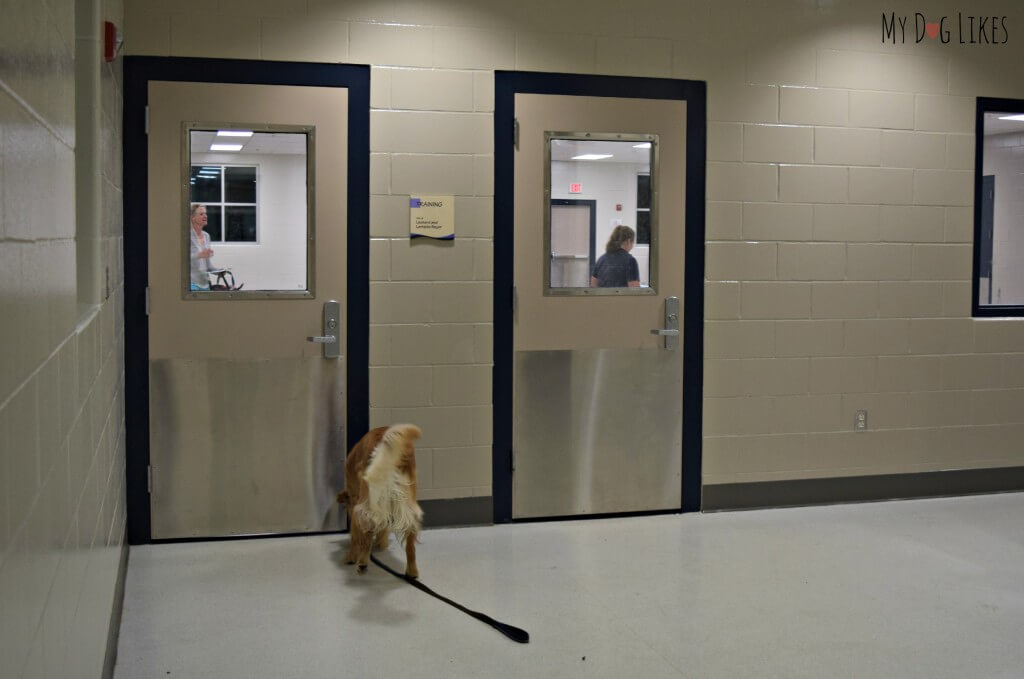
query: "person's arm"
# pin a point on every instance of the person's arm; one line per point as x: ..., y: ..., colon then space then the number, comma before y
x: 634, y: 273
x: 199, y: 248
x: 594, y: 282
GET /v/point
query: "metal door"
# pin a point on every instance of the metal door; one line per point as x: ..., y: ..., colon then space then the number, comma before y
x: 598, y: 397
x: 247, y: 416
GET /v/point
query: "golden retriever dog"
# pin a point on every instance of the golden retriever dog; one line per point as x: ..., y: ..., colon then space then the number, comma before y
x: 380, y: 494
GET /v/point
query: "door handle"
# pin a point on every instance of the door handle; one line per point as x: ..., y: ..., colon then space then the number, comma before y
x: 671, y: 330
x: 332, y: 347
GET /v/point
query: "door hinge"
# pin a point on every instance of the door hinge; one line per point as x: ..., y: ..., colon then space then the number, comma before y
x: 147, y: 119
x: 147, y: 300
x: 149, y: 479
x: 511, y: 460
x: 515, y: 132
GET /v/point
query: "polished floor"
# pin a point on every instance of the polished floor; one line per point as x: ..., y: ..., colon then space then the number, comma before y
x: 922, y: 588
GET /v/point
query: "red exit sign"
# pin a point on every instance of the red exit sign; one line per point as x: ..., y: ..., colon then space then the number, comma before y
x: 575, y: 188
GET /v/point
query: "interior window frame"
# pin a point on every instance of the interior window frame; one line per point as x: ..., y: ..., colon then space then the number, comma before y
x: 187, y: 127
x: 988, y: 310
x: 652, y: 287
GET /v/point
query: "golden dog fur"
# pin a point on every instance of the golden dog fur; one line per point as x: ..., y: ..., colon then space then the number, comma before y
x: 380, y: 494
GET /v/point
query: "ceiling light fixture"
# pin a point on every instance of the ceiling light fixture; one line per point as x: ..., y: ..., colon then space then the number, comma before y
x: 593, y: 156
x: 642, y: 145
x: 1019, y: 116
x: 234, y: 133
x: 225, y: 147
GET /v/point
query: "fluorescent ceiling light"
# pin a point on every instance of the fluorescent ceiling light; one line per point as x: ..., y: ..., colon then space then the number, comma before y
x: 225, y: 147
x: 592, y: 156
x: 1019, y: 116
x: 234, y: 133
x: 642, y: 145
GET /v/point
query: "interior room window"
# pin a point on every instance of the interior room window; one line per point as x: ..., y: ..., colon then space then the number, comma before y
x: 229, y: 194
x: 999, y: 208
x: 601, y: 214
x: 643, y: 208
x: 248, y: 228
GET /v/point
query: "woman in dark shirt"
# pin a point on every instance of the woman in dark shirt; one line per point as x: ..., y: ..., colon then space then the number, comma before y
x: 616, y: 268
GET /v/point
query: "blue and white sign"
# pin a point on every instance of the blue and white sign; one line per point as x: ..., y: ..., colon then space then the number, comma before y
x: 432, y: 217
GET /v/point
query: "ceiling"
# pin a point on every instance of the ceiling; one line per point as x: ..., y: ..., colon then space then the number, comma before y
x: 264, y: 143
x: 620, y: 151
x: 993, y: 125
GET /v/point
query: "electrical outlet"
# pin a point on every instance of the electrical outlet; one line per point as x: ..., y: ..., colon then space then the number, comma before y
x: 860, y: 421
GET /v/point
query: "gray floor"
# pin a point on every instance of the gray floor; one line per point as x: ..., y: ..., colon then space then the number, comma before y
x: 923, y: 588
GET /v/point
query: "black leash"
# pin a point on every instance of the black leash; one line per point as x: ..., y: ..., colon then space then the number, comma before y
x: 513, y: 633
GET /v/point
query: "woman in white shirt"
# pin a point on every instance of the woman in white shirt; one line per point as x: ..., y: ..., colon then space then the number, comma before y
x: 200, y: 252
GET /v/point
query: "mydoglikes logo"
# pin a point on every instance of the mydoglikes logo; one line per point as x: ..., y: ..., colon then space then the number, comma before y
x: 967, y: 29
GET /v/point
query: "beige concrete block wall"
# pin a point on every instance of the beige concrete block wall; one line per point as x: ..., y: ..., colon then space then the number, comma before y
x: 62, y: 492
x: 839, y: 227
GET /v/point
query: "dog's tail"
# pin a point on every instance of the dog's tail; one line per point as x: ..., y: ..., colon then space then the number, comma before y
x: 390, y: 504
x: 389, y: 451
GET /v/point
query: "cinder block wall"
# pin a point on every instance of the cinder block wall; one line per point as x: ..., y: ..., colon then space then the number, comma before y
x: 62, y: 491
x: 839, y: 221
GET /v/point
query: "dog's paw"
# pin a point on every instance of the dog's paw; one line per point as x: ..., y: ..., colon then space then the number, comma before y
x: 361, y: 568
x: 412, y: 573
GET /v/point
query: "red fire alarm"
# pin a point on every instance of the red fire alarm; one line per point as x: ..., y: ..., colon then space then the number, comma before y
x: 618, y: 207
x: 111, y: 41
x: 575, y: 188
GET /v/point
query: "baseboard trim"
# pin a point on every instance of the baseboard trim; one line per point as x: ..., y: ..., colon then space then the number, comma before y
x: 463, y: 511
x: 114, y: 630
x: 799, y: 492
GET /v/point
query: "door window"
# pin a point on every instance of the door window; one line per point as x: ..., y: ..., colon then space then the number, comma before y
x: 249, y: 230
x: 601, y: 218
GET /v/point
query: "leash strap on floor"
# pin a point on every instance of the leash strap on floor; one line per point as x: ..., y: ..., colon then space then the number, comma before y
x: 514, y: 633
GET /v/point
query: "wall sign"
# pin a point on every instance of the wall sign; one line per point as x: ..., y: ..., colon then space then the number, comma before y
x: 432, y: 217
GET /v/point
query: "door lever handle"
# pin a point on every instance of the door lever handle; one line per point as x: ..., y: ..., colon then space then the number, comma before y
x: 671, y: 330
x: 332, y: 324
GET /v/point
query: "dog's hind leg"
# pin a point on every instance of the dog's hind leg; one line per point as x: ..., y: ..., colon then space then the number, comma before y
x: 359, y: 550
x: 410, y: 555
x: 382, y: 540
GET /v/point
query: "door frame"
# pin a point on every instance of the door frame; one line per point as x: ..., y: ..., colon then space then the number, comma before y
x: 592, y: 204
x: 138, y: 72
x: 506, y: 85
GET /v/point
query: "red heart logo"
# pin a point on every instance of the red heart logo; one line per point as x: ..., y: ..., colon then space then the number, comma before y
x: 932, y: 30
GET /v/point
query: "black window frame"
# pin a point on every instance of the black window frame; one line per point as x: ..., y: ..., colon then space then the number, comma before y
x: 223, y: 204
x: 987, y: 105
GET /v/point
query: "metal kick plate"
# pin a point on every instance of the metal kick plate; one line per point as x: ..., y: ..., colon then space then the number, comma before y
x: 246, y: 447
x: 597, y: 431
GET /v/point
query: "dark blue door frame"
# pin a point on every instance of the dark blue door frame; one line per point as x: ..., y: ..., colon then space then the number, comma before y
x: 138, y: 72
x: 506, y: 85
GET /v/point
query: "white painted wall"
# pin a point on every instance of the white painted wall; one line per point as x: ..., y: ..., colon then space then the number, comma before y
x: 62, y: 442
